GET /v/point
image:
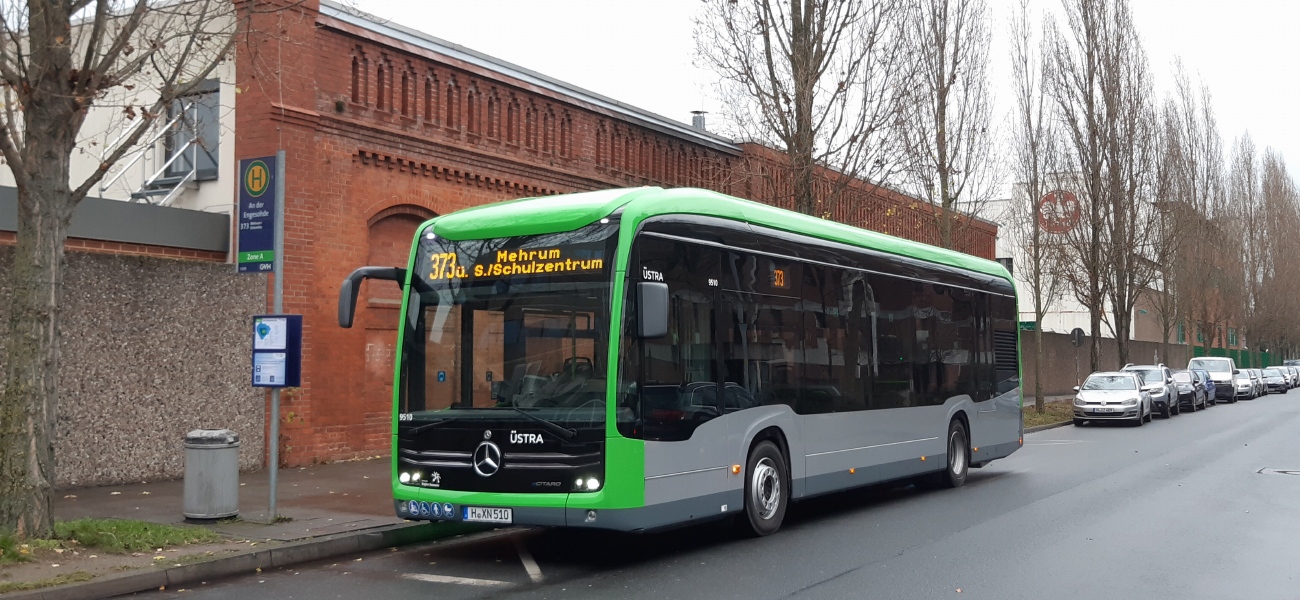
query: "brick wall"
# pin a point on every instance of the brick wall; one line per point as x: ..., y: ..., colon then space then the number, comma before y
x: 1059, y: 355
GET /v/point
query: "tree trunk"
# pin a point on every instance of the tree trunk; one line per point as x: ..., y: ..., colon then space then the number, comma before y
x: 29, y: 402
x: 1038, y: 365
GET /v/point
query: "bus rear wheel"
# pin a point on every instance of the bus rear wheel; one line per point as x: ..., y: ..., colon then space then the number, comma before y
x: 766, y: 489
x: 958, y: 456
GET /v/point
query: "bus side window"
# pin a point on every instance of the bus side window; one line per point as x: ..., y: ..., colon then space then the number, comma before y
x: 895, y: 332
x: 675, y: 376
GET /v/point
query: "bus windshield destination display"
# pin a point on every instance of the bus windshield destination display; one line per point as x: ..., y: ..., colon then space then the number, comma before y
x: 445, y: 266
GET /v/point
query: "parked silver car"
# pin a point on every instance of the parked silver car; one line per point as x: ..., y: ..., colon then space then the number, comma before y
x: 1257, y: 380
x: 1112, y: 396
x: 1158, y: 382
x: 1243, y: 385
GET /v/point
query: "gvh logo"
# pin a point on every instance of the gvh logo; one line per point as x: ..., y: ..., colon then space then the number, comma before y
x: 525, y: 438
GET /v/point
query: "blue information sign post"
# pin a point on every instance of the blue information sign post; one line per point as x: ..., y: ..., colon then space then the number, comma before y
x: 277, y: 338
x: 257, y: 215
x: 277, y: 351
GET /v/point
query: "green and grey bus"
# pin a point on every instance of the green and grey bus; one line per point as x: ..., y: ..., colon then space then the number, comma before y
x: 635, y: 359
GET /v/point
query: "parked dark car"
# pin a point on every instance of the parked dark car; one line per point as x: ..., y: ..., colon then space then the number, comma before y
x: 1211, y: 390
x: 1191, y: 392
x: 1275, y: 380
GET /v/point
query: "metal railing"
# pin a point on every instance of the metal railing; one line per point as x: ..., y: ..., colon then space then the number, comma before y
x: 156, y: 181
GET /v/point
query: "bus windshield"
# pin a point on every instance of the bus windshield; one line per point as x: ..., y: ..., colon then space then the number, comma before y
x: 504, y: 325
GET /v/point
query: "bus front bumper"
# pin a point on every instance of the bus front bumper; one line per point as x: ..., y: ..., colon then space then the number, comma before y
x: 644, y: 518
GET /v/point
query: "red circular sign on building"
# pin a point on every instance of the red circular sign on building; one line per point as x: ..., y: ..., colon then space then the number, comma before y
x: 1059, y: 211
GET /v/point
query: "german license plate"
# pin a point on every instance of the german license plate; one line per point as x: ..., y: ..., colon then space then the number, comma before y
x: 479, y: 514
x: 1103, y: 410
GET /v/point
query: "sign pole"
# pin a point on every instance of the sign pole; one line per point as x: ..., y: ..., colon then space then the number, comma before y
x: 278, y: 309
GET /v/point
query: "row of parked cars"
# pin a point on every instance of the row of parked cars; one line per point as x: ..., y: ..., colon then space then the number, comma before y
x: 1137, y: 393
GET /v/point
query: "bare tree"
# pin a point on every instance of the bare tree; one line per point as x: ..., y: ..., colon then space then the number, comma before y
x: 1100, y: 85
x: 1209, y: 272
x: 1035, y: 147
x: 1247, y: 206
x: 1130, y: 153
x: 59, y: 60
x: 817, y: 79
x: 1175, y: 221
x: 944, y: 125
x: 1276, y: 297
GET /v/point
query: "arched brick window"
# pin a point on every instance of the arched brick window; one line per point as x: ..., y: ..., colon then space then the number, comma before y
x: 512, y: 121
x: 548, y: 131
x: 406, y: 95
x: 566, y: 136
x: 530, y: 126
x: 453, y: 96
x: 493, y: 115
x: 356, y: 79
x: 472, y: 115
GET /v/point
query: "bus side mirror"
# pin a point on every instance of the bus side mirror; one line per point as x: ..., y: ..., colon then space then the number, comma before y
x: 352, y: 286
x: 652, y: 309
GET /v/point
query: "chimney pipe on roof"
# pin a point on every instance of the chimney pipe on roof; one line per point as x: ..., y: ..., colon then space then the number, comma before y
x: 697, y: 120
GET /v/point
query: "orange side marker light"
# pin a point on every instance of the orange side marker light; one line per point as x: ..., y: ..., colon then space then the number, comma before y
x: 735, y: 469
x: 922, y: 458
x: 852, y: 471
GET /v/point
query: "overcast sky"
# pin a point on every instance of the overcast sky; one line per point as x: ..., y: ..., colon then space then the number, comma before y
x: 640, y: 52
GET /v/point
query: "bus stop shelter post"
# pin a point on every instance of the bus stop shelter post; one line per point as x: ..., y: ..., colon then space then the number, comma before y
x: 278, y: 306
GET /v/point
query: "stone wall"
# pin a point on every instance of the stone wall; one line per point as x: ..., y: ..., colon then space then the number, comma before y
x: 1059, y: 360
x: 152, y: 348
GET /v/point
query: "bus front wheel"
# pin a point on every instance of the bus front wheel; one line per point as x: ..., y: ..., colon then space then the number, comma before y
x: 766, y: 489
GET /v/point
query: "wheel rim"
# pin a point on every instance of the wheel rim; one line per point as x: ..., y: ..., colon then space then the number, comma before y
x: 765, y: 488
x: 957, y: 453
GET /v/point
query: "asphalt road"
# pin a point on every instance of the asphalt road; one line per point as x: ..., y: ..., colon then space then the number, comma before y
x: 1174, y: 509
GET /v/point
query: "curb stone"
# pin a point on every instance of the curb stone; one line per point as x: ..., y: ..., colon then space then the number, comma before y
x: 1047, y: 426
x: 292, y: 553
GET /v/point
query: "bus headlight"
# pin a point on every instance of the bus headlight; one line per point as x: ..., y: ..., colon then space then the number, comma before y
x: 404, y: 478
x: 593, y: 484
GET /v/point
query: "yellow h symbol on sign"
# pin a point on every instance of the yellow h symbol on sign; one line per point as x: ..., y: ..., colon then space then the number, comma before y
x: 257, y: 178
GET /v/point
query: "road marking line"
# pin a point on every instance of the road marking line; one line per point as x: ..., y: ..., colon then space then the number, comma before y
x: 457, y: 580
x: 530, y: 565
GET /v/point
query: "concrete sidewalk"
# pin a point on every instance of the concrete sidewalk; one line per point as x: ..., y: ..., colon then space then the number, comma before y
x: 319, y: 500
x: 332, y: 510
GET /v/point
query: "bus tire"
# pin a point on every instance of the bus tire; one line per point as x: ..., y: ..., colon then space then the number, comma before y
x: 954, y: 475
x: 767, y: 489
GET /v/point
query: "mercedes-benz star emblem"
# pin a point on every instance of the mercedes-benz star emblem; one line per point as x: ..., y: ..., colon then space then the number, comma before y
x: 487, y: 459
x: 487, y: 434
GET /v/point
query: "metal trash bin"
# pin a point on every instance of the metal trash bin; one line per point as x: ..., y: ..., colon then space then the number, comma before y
x: 211, y: 474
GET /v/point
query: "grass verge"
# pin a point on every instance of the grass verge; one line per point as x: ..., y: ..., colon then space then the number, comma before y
x: 121, y: 535
x: 23, y: 586
x: 1053, y: 412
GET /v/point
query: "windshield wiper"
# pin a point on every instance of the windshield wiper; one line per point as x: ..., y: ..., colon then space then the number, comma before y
x: 550, y: 426
x: 424, y: 427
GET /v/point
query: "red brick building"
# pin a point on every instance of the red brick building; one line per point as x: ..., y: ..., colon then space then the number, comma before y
x: 385, y: 127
